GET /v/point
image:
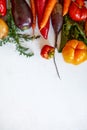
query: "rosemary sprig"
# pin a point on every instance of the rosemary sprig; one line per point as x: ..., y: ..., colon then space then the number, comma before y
x: 23, y: 50
x: 15, y: 36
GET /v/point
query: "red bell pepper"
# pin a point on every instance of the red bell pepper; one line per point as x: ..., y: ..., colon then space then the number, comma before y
x: 3, y: 7
x: 40, y: 6
x: 47, y: 51
x: 77, y: 10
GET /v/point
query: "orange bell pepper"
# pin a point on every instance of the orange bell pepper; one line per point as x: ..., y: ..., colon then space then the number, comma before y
x: 75, y: 52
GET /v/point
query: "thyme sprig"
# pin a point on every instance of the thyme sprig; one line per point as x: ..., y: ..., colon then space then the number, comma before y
x: 16, y: 36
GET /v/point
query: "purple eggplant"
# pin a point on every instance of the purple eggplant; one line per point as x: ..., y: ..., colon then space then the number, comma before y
x: 22, y: 14
x: 57, y: 20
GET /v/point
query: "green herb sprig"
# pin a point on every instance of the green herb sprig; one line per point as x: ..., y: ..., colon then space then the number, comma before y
x: 16, y: 36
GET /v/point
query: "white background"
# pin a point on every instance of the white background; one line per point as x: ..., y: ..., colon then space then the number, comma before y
x: 32, y: 97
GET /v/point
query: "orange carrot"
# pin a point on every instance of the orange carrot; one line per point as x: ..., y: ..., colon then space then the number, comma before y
x: 47, y: 12
x: 32, y: 3
x: 66, y: 6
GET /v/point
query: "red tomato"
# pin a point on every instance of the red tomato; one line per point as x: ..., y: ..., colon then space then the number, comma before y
x: 76, y: 12
x: 3, y: 8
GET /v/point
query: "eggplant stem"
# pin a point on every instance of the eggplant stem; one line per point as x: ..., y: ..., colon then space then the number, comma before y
x: 54, y: 60
x: 56, y: 36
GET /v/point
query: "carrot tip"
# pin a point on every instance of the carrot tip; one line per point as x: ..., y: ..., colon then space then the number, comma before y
x: 41, y: 27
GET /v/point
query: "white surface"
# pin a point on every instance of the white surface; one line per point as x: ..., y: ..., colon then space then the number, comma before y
x: 33, y: 98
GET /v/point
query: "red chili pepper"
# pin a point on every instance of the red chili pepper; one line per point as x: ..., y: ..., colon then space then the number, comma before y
x: 78, y: 11
x: 40, y: 6
x: 47, y: 52
x: 3, y: 7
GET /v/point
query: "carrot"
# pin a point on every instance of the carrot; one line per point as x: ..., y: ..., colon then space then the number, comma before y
x: 66, y: 6
x: 47, y: 12
x: 32, y: 3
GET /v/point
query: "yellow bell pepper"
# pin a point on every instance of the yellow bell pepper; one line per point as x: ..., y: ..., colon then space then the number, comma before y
x: 75, y: 52
x: 3, y: 29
